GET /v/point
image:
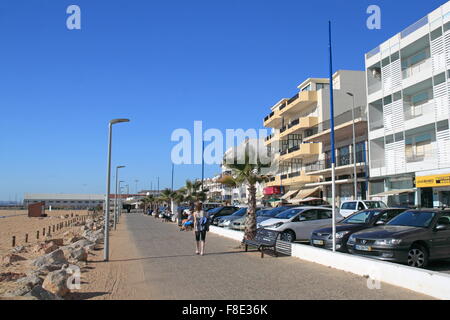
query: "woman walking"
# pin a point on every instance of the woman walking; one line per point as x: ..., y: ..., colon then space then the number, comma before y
x: 201, y: 224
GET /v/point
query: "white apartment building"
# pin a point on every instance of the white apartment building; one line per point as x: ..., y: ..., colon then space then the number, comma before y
x: 66, y: 201
x: 408, y: 92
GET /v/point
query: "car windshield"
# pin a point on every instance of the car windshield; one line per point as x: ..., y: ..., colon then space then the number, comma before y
x: 362, y: 217
x: 273, y: 212
x: 240, y: 212
x: 288, y: 213
x: 215, y: 210
x: 262, y: 212
x: 375, y: 204
x: 421, y: 219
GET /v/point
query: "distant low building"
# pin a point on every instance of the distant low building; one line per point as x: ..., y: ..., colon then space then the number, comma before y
x: 66, y: 201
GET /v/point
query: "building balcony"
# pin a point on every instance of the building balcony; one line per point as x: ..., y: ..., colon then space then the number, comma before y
x: 274, y: 181
x: 273, y: 120
x: 417, y: 68
x: 298, y: 178
x: 271, y: 138
x: 343, y: 163
x: 298, y: 125
x: 343, y: 127
x: 298, y: 102
x: 300, y: 151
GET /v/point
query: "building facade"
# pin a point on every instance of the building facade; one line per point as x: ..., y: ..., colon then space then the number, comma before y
x: 408, y: 91
x: 66, y: 201
x: 301, y: 137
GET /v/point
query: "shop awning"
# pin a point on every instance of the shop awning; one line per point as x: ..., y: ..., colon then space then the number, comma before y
x: 289, y: 194
x: 305, y: 193
x: 392, y: 192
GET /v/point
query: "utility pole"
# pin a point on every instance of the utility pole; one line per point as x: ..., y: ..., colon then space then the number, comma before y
x: 172, y: 175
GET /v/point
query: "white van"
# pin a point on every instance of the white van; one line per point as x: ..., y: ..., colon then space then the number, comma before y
x: 351, y: 206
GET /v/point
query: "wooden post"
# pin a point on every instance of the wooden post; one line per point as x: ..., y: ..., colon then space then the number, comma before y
x: 53, y: 228
x: 49, y: 231
x: 14, y: 241
x: 26, y: 237
x: 37, y: 234
x: 43, y: 232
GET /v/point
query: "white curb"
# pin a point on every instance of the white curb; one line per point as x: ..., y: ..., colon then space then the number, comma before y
x: 432, y: 283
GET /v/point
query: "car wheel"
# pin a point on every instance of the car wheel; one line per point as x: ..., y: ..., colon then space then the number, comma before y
x: 417, y: 256
x: 288, y: 236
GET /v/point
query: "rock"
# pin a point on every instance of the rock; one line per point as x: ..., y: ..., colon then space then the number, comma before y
x: 58, y: 242
x: 74, y: 239
x: 19, y: 249
x: 84, y: 243
x: 10, y: 259
x: 41, y: 294
x: 46, y: 247
x: 53, y: 260
x: 56, y: 282
x: 31, y: 280
x: 21, y: 290
x: 11, y: 276
x: 75, y: 254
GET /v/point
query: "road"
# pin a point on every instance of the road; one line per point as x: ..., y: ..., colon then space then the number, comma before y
x: 171, y: 270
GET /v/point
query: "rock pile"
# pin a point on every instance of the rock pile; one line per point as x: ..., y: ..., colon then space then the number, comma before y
x: 50, y: 272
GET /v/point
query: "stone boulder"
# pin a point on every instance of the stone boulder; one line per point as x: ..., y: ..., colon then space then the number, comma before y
x: 11, y: 276
x: 84, y: 243
x: 51, y: 261
x: 41, y: 294
x: 30, y: 280
x: 19, y: 249
x: 56, y: 282
x: 10, y: 259
x: 74, y: 254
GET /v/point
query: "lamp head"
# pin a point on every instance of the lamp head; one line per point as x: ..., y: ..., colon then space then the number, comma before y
x: 114, y: 121
x: 350, y: 94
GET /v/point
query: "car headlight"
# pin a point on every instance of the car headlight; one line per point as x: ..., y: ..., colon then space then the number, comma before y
x: 352, y: 239
x: 341, y: 234
x: 387, y: 242
x: 276, y: 225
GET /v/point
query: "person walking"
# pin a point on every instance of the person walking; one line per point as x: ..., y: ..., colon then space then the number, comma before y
x: 201, y: 226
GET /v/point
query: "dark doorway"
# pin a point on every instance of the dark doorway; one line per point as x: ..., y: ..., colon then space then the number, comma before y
x: 426, y: 198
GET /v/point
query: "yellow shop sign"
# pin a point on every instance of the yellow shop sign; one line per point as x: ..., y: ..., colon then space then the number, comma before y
x: 438, y: 180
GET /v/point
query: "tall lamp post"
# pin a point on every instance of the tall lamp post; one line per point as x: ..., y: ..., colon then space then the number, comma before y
x: 120, y: 200
x: 116, y: 209
x: 108, y: 186
x: 355, y: 179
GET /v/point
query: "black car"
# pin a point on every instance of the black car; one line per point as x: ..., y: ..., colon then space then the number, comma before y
x: 414, y: 237
x: 358, y: 221
x: 216, y: 213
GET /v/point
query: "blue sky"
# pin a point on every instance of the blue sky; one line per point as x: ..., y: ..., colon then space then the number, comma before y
x: 163, y: 64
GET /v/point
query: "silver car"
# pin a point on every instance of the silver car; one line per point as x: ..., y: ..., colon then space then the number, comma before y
x: 239, y: 224
x: 299, y: 223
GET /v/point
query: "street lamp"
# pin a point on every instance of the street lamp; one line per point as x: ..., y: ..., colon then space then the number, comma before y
x: 355, y: 179
x: 108, y: 185
x: 116, y: 215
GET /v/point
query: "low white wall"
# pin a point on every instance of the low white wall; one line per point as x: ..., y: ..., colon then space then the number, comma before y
x: 232, y: 234
x: 434, y: 284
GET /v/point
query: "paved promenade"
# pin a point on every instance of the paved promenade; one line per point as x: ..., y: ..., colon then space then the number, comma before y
x: 164, y: 266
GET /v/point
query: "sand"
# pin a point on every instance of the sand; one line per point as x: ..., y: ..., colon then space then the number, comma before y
x: 17, y: 223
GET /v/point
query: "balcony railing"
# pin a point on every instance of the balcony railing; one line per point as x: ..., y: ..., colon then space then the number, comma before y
x: 374, y: 87
x: 360, y: 113
x: 418, y: 110
x: 343, y: 160
x: 417, y: 68
x: 415, y: 26
x: 269, y: 116
x: 376, y: 124
x: 293, y: 98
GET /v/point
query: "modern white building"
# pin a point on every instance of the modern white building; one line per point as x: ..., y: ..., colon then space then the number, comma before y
x: 408, y: 91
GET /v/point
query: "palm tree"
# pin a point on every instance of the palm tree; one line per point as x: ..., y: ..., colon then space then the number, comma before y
x: 247, y: 172
x: 193, y: 191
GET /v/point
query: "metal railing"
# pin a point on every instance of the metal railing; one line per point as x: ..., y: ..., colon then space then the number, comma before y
x: 415, y: 26
x: 373, y: 52
x: 360, y: 113
x: 343, y: 160
x: 416, y: 68
x: 412, y: 111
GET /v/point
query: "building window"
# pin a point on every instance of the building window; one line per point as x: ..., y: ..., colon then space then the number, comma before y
x: 418, y: 147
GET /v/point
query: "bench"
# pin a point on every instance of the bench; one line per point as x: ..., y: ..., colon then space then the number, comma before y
x: 264, y: 239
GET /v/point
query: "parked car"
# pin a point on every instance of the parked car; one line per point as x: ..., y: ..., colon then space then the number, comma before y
x: 211, y: 205
x: 348, y: 208
x: 358, y: 221
x: 216, y: 213
x: 272, y: 213
x: 414, y: 237
x: 239, y: 224
x: 227, y: 220
x: 298, y: 223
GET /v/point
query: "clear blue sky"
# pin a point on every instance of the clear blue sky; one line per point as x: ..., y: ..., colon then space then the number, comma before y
x: 163, y: 64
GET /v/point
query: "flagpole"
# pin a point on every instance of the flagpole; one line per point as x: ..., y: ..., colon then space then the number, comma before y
x: 333, y: 153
